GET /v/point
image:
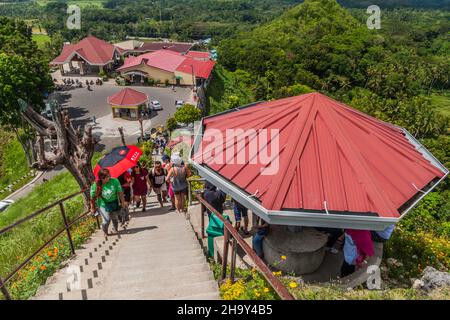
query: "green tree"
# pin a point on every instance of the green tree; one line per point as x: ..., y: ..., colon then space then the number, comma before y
x: 171, y: 124
x: 188, y: 114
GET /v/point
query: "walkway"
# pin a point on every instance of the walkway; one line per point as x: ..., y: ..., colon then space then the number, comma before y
x: 157, y: 257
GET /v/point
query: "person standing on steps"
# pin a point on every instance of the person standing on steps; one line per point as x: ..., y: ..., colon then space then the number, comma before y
x: 216, y: 198
x: 125, y: 182
x: 158, y: 180
x: 166, y: 164
x: 179, y: 172
x: 140, y: 185
x: 106, y: 194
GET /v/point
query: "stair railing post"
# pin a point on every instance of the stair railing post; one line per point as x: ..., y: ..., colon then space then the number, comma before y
x: 4, y: 290
x: 202, y: 213
x: 233, y: 259
x: 66, y: 224
x: 225, y: 253
x: 98, y: 221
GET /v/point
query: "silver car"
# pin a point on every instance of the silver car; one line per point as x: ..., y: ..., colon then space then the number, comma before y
x: 4, y: 204
x: 155, y: 105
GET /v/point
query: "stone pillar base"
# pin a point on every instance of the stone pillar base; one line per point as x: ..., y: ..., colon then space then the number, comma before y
x: 303, y: 247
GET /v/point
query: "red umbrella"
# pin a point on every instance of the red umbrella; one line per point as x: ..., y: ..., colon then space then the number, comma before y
x: 119, y: 160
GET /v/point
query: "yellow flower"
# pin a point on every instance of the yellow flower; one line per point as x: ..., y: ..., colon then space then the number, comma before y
x: 293, y: 285
x: 266, y: 290
x: 257, y: 294
x: 283, y: 257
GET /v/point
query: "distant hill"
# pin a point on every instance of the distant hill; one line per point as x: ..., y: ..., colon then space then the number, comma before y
x: 435, y: 4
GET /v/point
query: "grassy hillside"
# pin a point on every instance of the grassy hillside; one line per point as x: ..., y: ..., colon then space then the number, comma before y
x: 227, y: 90
x: 13, y: 163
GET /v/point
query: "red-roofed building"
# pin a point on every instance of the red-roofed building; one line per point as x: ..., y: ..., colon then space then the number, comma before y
x: 312, y: 161
x: 88, y: 56
x: 167, y: 66
x: 127, y: 103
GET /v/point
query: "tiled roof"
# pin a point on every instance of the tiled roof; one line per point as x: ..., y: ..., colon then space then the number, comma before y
x: 95, y: 51
x: 127, y: 98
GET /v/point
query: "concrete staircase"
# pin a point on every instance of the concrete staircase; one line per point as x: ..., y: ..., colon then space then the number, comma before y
x: 156, y: 257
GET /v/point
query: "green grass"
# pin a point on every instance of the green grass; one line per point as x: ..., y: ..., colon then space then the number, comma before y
x: 19, y: 243
x: 441, y: 101
x: 13, y: 163
x: 41, y: 39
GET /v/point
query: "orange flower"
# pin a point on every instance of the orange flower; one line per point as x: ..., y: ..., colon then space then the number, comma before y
x: 33, y: 268
x: 43, y: 267
x: 55, y: 251
x: 50, y: 253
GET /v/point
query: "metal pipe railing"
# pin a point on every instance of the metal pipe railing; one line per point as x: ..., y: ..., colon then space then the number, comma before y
x: 67, y: 226
x: 233, y: 236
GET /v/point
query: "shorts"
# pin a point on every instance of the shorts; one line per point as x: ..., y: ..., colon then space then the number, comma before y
x: 157, y: 190
x: 184, y: 191
x: 240, y: 212
x: 127, y: 194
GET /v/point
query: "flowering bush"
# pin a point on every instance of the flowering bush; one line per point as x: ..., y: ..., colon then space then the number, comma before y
x: 26, y: 282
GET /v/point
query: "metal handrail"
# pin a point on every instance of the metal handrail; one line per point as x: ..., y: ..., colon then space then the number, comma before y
x: 67, y: 226
x: 237, y: 240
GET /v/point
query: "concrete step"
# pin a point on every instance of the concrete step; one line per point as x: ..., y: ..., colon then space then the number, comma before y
x: 163, y: 238
x: 150, y: 255
x: 161, y: 280
x: 149, y: 293
x: 161, y: 247
x: 202, y: 296
x: 157, y: 264
x: 184, y: 269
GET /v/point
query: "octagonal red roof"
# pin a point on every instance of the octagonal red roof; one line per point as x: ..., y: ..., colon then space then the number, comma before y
x: 332, y: 158
x: 127, y: 98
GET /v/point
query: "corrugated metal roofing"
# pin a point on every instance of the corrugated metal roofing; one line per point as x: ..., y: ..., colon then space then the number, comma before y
x: 332, y: 158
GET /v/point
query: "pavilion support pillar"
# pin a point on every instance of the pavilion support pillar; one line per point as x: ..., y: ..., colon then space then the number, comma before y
x: 303, y: 247
x: 81, y: 64
x: 61, y: 69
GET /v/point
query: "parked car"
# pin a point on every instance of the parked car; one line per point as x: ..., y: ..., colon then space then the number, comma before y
x: 5, y: 204
x: 179, y: 103
x: 155, y: 105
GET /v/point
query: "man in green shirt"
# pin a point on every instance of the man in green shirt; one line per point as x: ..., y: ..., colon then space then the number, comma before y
x: 105, y: 195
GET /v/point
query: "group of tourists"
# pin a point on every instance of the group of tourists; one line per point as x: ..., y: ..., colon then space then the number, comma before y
x: 356, y: 245
x: 112, y: 198
x: 216, y: 198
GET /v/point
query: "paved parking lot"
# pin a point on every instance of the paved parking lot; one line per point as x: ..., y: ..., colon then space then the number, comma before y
x: 83, y: 105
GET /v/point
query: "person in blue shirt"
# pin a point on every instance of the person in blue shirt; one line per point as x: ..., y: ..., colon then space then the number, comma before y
x: 383, y: 236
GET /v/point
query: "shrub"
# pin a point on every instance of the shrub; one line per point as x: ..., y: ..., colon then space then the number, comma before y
x: 147, y: 152
x: 188, y: 114
x: 171, y: 124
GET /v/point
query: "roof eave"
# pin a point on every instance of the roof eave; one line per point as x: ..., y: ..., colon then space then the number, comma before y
x: 295, y: 218
x: 433, y: 160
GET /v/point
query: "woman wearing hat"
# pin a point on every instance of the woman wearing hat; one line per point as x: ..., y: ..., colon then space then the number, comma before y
x: 177, y: 176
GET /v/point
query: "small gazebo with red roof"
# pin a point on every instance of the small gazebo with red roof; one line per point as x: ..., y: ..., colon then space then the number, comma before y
x: 128, y: 103
x: 329, y: 165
